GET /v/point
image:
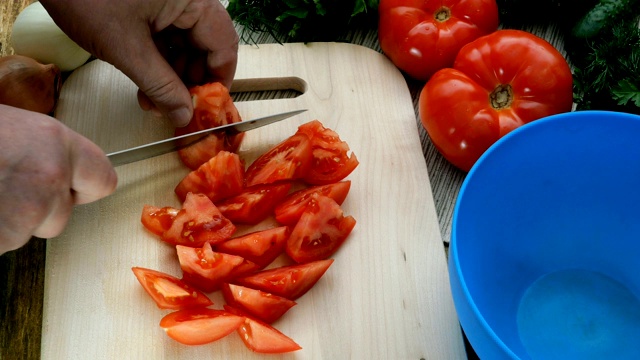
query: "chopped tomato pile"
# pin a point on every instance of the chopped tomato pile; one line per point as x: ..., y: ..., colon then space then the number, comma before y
x: 300, y: 183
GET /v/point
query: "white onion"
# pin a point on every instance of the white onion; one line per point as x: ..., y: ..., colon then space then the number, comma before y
x: 37, y: 36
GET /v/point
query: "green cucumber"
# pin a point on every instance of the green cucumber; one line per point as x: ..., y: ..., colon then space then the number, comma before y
x: 604, y: 13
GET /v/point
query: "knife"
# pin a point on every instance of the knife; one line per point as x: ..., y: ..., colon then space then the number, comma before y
x: 161, y: 147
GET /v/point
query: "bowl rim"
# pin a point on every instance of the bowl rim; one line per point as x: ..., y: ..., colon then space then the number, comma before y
x: 453, y: 249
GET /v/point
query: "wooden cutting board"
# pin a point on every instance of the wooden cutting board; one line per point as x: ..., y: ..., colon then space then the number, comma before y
x: 387, y: 294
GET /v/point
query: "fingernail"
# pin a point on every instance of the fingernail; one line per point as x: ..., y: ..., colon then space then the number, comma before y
x: 180, y: 117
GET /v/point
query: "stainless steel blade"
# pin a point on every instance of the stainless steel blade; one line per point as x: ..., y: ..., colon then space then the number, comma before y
x: 172, y: 144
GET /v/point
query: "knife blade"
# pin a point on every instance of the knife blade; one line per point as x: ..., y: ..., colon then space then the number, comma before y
x: 161, y: 147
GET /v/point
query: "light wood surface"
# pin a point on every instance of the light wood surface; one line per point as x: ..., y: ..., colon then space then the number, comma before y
x: 389, y: 282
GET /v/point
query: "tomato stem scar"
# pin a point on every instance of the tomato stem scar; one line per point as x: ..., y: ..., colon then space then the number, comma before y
x: 443, y: 14
x: 501, y: 97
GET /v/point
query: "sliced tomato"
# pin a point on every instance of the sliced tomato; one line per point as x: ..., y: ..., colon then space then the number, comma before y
x: 169, y: 292
x: 321, y: 230
x: 253, y: 204
x: 288, y: 160
x: 200, y: 326
x: 198, y: 222
x: 220, y: 177
x: 261, y: 337
x: 206, y: 269
x: 262, y: 305
x: 260, y: 247
x: 288, y: 212
x: 157, y: 219
x: 213, y: 107
x: 290, y: 281
x: 332, y: 160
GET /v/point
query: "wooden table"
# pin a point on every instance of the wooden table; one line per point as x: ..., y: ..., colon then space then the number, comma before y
x: 22, y: 271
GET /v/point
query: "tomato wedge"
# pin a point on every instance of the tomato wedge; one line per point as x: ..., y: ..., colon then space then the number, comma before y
x: 169, y: 292
x: 259, y: 304
x: 220, y: 177
x: 207, y: 270
x: 200, y: 326
x: 290, y: 281
x: 198, y: 221
x: 260, y: 247
x: 288, y: 212
x: 332, y: 160
x: 321, y: 230
x: 289, y: 160
x: 263, y: 338
x: 253, y: 204
x: 213, y: 107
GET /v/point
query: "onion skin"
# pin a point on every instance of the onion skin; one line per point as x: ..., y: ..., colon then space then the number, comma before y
x: 28, y: 84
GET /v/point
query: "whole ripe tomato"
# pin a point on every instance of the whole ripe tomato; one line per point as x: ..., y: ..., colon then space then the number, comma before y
x: 498, y: 83
x: 423, y: 36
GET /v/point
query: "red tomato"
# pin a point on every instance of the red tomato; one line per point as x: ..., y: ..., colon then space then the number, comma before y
x: 321, y: 230
x: 219, y: 178
x: 423, y: 36
x: 213, y: 107
x: 260, y: 247
x: 288, y: 212
x: 288, y: 160
x: 290, y: 281
x: 332, y: 160
x: 206, y: 269
x: 198, y: 222
x: 499, y: 82
x: 169, y: 292
x: 262, y: 305
x: 263, y: 338
x: 253, y: 204
x: 200, y: 325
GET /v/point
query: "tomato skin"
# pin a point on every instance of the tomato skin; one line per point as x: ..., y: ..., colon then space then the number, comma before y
x: 320, y: 232
x: 288, y: 212
x: 290, y: 282
x: 456, y: 106
x: 260, y: 247
x: 288, y: 160
x: 259, y: 304
x: 213, y: 107
x: 253, y: 204
x: 220, y: 177
x: 200, y: 326
x: 261, y: 337
x: 331, y: 157
x: 169, y: 292
x: 423, y: 36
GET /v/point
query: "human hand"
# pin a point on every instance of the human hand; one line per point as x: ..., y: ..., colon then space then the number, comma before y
x: 45, y: 169
x: 163, y: 46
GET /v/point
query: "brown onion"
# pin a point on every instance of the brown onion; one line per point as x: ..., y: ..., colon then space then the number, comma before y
x: 28, y: 84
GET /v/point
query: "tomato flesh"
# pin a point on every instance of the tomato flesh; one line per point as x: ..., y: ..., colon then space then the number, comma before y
x: 253, y: 204
x: 200, y: 326
x: 169, y: 292
x: 205, y: 269
x: 157, y: 219
x: 288, y: 160
x: 260, y: 337
x: 259, y: 304
x: 260, y: 247
x: 290, y: 210
x: 220, y: 177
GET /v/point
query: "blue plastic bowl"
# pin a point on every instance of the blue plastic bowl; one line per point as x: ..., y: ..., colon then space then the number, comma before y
x: 544, y: 258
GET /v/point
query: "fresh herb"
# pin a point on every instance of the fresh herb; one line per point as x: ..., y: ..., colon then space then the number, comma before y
x: 302, y: 20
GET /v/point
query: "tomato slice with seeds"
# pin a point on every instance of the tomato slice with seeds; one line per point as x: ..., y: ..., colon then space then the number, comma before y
x: 213, y: 106
x: 288, y: 160
x: 220, y: 177
x: 321, y: 230
x: 260, y: 337
x: 169, y: 292
x: 157, y: 219
x: 290, y: 281
x: 259, y: 304
x: 253, y: 204
x: 200, y: 326
x: 288, y: 212
x: 331, y: 160
x: 205, y: 269
x: 260, y: 247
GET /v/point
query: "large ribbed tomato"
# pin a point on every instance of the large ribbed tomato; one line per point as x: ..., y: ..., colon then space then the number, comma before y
x: 423, y: 36
x: 498, y: 82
